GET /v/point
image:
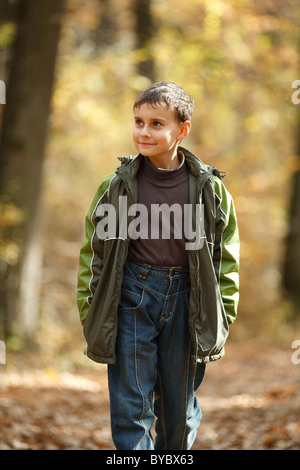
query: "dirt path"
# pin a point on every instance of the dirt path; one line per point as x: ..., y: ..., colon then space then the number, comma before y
x: 250, y: 400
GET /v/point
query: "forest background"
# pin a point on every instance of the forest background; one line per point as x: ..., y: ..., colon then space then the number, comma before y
x: 238, y: 59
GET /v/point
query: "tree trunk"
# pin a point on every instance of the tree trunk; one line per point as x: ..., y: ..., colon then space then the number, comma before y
x: 105, y: 34
x: 21, y: 162
x: 145, y: 31
x: 291, y: 269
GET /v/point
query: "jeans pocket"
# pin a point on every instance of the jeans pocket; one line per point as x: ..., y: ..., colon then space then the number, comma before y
x: 131, y: 295
x: 132, y: 298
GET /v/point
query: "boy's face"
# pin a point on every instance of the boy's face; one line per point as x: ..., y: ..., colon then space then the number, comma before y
x: 157, y: 132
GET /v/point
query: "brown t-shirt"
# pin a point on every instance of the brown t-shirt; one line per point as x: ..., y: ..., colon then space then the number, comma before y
x: 158, y: 219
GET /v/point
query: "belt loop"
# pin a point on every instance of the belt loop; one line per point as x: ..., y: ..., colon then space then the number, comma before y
x: 144, y: 270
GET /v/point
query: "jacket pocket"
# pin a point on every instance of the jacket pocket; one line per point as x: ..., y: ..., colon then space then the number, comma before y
x: 100, y: 327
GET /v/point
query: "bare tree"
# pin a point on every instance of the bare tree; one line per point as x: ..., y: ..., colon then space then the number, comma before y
x: 22, y: 148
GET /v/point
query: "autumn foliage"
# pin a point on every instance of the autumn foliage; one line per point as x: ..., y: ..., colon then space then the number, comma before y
x: 239, y: 61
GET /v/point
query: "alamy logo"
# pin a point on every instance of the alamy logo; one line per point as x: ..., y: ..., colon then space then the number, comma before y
x: 163, y: 222
x: 2, y: 353
x: 296, y: 354
x: 2, y: 92
x: 296, y: 94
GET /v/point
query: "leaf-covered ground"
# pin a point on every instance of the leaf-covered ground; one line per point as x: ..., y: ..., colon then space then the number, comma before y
x: 250, y: 400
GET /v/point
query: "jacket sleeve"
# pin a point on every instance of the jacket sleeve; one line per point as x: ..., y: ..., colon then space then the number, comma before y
x: 90, y: 258
x: 227, y: 250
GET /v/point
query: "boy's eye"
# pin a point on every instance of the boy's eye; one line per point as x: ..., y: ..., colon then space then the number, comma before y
x: 139, y: 122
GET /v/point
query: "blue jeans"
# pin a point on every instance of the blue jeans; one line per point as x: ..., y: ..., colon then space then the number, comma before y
x: 154, y: 374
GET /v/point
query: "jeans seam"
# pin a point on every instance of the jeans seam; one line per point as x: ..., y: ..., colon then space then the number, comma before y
x: 162, y: 412
x: 145, y: 288
x: 137, y: 372
x: 185, y: 398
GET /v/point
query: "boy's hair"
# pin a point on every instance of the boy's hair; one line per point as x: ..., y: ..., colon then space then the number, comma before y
x: 172, y: 95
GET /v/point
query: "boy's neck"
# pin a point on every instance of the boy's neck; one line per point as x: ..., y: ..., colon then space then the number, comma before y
x: 166, y: 164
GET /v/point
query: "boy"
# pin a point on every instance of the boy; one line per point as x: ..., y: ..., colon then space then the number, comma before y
x: 158, y: 276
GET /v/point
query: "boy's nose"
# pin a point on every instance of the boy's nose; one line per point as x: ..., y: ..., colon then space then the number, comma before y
x: 145, y: 131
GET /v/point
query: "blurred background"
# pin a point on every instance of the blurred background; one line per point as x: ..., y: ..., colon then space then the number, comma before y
x: 71, y: 70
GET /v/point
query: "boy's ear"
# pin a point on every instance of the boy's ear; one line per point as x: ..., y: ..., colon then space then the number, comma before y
x: 185, y: 129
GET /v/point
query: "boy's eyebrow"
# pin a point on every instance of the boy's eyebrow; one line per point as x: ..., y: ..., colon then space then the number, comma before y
x: 152, y: 119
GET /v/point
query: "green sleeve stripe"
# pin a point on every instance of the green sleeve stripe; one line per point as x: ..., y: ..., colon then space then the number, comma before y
x: 229, y: 252
x: 87, y: 254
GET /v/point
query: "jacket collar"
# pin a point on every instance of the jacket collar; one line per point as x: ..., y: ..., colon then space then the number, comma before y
x: 130, y: 166
x: 198, y: 169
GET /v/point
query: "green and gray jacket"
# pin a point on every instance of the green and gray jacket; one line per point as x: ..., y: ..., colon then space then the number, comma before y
x: 213, y: 268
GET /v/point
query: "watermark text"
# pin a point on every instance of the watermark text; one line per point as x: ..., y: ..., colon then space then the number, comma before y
x: 161, y: 221
x: 296, y: 354
x: 2, y: 353
x: 296, y: 94
x: 2, y: 92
